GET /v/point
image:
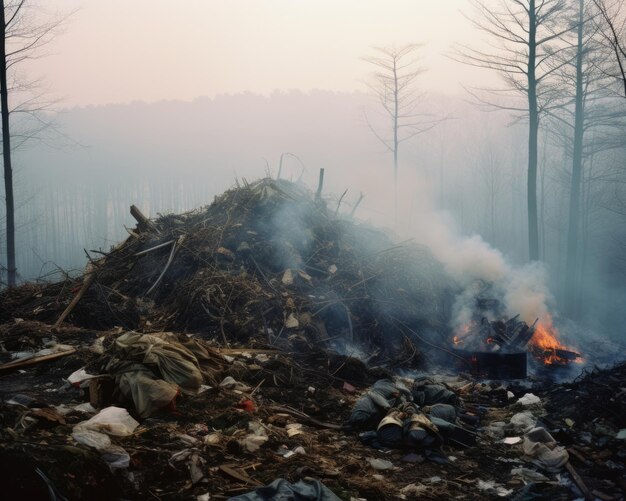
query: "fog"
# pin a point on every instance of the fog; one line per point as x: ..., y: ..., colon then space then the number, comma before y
x: 462, y: 183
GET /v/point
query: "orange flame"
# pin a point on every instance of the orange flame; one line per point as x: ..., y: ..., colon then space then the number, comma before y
x: 545, y: 343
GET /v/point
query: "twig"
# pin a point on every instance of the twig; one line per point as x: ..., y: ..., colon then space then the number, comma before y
x: 339, y: 203
x: 141, y: 253
x: 305, y: 417
x: 320, y: 185
x: 356, y: 205
x: 180, y: 240
x: 86, y: 284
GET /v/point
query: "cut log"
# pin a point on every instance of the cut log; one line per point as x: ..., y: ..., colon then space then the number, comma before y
x: 143, y: 223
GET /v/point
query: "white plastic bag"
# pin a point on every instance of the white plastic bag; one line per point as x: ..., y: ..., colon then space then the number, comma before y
x: 111, y: 420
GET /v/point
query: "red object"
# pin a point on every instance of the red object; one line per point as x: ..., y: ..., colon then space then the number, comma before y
x: 171, y: 407
x: 349, y: 388
x: 246, y: 405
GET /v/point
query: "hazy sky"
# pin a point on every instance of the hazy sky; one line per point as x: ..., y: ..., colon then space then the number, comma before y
x: 123, y: 50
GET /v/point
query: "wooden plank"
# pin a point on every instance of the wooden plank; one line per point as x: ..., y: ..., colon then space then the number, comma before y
x: 579, y: 481
x: 18, y: 364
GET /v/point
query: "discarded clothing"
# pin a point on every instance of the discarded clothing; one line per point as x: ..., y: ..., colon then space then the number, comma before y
x: 372, y: 407
x: 542, y: 449
x: 152, y: 369
x: 431, y: 394
x: 281, y: 489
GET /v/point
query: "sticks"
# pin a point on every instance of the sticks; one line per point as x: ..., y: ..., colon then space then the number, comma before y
x: 358, y: 202
x: 18, y: 364
x: 320, y: 185
x: 339, y: 203
x: 86, y: 284
x: 304, y: 417
x: 579, y: 481
x: 146, y: 251
x: 176, y: 245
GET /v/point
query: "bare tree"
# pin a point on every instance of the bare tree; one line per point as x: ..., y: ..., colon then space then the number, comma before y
x: 525, y: 35
x: 587, y: 105
x: 21, y: 38
x: 612, y: 23
x: 393, y: 85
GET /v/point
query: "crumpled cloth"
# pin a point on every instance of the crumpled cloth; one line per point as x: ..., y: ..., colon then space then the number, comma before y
x: 152, y: 369
x: 281, y: 490
x: 541, y: 448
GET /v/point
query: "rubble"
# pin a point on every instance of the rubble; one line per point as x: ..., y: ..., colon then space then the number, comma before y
x: 231, y: 353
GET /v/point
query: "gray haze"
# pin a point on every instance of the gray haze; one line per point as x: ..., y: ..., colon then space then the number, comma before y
x: 462, y: 184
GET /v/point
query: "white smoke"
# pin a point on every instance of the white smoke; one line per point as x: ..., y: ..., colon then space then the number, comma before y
x: 472, y: 262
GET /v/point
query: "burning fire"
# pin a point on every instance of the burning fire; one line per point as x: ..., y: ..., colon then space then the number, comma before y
x: 541, y: 339
x: 546, y: 346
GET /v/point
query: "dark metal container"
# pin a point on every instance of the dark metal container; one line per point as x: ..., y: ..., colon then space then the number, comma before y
x: 493, y: 365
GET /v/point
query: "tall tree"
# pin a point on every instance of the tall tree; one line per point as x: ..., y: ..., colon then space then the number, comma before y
x: 6, y: 151
x: 587, y: 106
x: 612, y: 23
x: 21, y: 37
x: 393, y: 84
x: 525, y: 36
x: 571, y: 266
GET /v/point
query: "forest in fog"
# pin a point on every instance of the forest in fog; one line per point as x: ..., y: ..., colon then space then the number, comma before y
x: 75, y: 182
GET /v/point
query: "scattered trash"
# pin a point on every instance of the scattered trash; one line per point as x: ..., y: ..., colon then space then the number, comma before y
x: 293, y: 429
x: 112, y: 421
x: 380, y: 464
x: 529, y: 399
x: 491, y: 487
x: 529, y: 475
x: 230, y: 383
x: 542, y: 449
x: 310, y: 490
x: 294, y: 322
x: 523, y: 421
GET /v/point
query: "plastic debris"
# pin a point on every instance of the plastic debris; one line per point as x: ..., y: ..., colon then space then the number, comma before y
x: 111, y: 420
x: 529, y: 399
x: 523, y: 421
x: 492, y: 487
x: 230, y: 383
x: 380, y: 464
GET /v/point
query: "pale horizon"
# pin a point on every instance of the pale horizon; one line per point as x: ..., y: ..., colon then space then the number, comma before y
x: 106, y: 56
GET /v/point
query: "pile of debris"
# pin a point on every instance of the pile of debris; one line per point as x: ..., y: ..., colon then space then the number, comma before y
x: 510, y: 335
x: 325, y: 425
x: 251, y: 350
x: 267, y: 262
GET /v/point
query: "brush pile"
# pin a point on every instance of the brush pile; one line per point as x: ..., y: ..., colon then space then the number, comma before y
x: 266, y: 263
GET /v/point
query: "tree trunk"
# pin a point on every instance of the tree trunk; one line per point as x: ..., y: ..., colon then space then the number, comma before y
x: 533, y: 131
x: 6, y: 153
x: 395, y: 140
x: 571, y: 270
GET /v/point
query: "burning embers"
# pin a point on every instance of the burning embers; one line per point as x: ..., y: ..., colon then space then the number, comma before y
x: 513, y: 336
x: 546, y: 347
